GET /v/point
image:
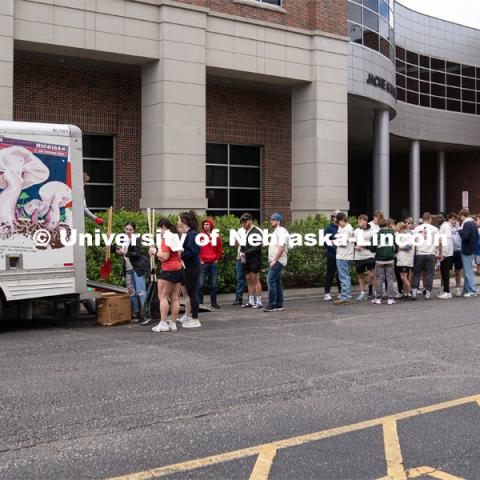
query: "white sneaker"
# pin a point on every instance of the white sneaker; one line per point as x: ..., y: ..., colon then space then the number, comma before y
x: 459, y: 292
x: 185, y: 318
x: 191, y: 323
x: 391, y: 301
x: 444, y: 296
x: 362, y: 297
x: 172, y: 326
x: 327, y: 297
x: 377, y: 301
x: 257, y: 306
x: 469, y: 295
x: 161, y: 327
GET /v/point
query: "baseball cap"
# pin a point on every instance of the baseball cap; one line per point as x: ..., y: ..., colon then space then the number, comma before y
x: 276, y: 216
x: 245, y: 217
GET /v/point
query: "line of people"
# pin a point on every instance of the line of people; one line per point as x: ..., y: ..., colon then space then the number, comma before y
x: 407, y: 262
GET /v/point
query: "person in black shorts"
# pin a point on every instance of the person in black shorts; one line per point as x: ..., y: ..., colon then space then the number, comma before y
x: 251, y: 257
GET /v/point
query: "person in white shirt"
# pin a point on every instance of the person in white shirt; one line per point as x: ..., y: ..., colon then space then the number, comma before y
x: 445, y: 252
x: 375, y: 223
x: 364, y: 257
x: 405, y: 257
x: 425, y: 256
x: 345, y: 243
x: 277, y: 261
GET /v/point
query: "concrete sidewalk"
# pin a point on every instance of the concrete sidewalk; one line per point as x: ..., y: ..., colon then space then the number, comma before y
x: 226, y: 299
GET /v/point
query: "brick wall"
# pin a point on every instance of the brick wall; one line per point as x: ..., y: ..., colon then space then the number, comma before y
x: 463, y: 172
x: 326, y: 15
x: 97, y: 102
x: 257, y: 118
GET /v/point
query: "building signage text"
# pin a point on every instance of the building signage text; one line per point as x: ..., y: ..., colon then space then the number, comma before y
x: 380, y: 82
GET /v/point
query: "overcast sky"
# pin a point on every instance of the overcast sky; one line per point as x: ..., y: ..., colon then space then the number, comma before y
x: 465, y: 12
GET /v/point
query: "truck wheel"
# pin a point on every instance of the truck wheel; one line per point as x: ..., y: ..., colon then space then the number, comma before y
x: 90, y: 306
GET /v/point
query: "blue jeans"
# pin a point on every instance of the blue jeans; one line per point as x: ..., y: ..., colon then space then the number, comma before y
x: 136, y: 290
x: 209, y: 269
x: 240, y: 281
x: 343, y: 268
x: 275, y: 287
x: 468, y: 274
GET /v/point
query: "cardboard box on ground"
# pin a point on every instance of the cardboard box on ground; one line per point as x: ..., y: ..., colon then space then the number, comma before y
x: 113, y: 309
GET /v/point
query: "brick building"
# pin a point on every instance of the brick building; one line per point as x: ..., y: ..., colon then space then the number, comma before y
x: 296, y: 106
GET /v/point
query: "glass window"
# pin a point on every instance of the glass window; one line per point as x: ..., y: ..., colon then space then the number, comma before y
x: 468, y: 107
x: 454, y: 105
x: 438, y: 77
x: 425, y: 100
x: 384, y: 47
x: 468, y: 83
x: 412, y: 97
x: 217, y: 153
x: 99, y: 197
x: 438, y: 103
x: 272, y: 2
x: 384, y: 29
x: 98, y: 146
x: 468, y: 95
x: 453, y: 68
x: 468, y: 71
x: 99, y: 171
x: 245, y: 177
x: 437, y: 64
x: 384, y: 9
x: 412, y: 58
x: 425, y: 74
x: 370, y: 20
x: 412, y: 84
x: 217, y: 198
x: 371, y: 4
x: 401, y: 53
x: 401, y: 94
x: 244, y: 155
x: 370, y: 40
x: 217, y: 176
x: 233, y: 179
x: 453, y: 92
x: 354, y: 12
x: 401, y: 68
x: 401, y: 81
x: 244, y: 199
x: 438, y: 90
x: 355, y: 32
x: 98, y: 163
x: 425, y: 87
x: 424, y: 61
x: 412, y: 71
x: 453, y: 80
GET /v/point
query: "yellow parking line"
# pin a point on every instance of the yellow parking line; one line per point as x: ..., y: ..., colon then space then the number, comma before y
x: 430, y: 472
x: 263, y: 464
x: 393, y: 452
x: 292, y: 442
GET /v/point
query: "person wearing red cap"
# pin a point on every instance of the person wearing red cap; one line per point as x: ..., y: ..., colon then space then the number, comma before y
x: 210, y: 254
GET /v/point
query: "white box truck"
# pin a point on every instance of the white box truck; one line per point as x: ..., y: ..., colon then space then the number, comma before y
x: 41, y: 193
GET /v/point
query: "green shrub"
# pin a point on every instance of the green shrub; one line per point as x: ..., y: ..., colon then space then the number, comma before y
x: 306, y: 265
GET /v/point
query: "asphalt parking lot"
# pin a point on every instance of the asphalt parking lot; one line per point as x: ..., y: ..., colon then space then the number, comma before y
x: 314, y: 392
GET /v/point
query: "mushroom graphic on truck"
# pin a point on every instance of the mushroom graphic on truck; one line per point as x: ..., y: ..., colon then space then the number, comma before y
x: 35, y: 191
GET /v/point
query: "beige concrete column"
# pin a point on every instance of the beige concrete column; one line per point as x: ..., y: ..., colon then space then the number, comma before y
x: 174, y: 115
x: 320, y: 133
x: 6, y: 59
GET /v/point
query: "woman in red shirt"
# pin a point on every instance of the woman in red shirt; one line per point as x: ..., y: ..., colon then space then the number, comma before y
x: 170, y: 276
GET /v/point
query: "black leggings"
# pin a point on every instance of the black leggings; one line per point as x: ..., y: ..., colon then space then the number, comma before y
x: 330, y: 274
x: 192, y: 275
x: 445, y: 267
